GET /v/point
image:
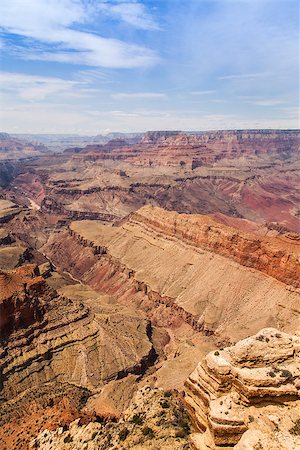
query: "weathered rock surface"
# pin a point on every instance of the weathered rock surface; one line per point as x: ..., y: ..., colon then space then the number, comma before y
x: 153, y: 420
x: 248, y: 394
x: 47, y: 337
x: 51, y: 338
x: 276, y: 257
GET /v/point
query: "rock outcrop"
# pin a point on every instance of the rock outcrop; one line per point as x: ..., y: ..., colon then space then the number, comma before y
x: 154, y: 420
x: 247, y: 395
x: 47, y: 338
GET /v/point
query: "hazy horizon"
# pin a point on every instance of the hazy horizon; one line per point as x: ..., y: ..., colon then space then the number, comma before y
x: 95, y: 67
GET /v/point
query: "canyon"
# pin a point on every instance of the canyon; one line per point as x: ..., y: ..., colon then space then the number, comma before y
x: 149, y: 291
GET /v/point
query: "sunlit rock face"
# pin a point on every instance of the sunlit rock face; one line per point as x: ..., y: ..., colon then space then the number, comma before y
x: 247, y: 395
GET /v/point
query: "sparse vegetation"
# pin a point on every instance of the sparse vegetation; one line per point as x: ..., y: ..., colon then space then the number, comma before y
x: 286, y: 374
x: 296, y: 428
x: 137, y: 419
x: 217, y: 353
x: 68, y: 439
x: 123, y: 434
x: 147, y: 431
x: 165, y: 404
x: 168, y: 394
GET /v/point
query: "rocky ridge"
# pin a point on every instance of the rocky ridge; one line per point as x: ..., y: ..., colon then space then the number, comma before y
x: 154, y: 420
x: 276, y: 257
x: 47, y: 338
x: 211, y: 292
x: 248, y: 395
x: 194, y: 150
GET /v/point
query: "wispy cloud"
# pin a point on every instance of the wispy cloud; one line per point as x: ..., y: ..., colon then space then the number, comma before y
x: 243, y: 76
x: 137, y: 95
x: 134, y: 14
x: 208, y: 92
x: 37, y: 88
x: 268, y: 102
x: 52, y: 25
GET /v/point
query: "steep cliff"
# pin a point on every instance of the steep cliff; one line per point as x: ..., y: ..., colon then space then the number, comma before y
x: 248, y: 394
x: 179, y: 148
x: 276, y: 257
x: 214, y: 277
x: 56, y: 340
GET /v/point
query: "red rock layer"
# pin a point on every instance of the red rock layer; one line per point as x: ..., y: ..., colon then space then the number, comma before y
x: 276, y: 257
x: 178, y: 148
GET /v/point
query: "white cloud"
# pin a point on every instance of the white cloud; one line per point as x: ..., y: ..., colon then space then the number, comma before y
x: 49, y: 22
x: 268, y: 102
x: 137, y: 95
x: 243, y: 76
x: 203, y: 92
x: 36, y: 88
x: 134, y: 14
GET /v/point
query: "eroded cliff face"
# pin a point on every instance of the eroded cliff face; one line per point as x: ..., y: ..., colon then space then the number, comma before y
x: 277, y: 257
x: 20, y: 305
x: 247, y: 395
x: 194, y: 150
x: 53, y: 339
x: 190, y: 268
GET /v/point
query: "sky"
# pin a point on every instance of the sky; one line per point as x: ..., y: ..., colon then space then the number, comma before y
x: 97, y: 66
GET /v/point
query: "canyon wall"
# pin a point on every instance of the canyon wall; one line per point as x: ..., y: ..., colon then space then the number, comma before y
x: 179, y: 148
x: 175, y: 262
x: 277, y: 257
x: 48, y: 337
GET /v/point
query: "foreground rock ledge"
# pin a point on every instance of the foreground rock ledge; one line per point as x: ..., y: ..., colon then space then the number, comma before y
x: 248, y: 395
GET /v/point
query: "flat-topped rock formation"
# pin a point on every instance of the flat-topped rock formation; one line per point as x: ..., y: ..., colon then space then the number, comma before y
x: 194, y: 150
x: 216, y: 278
x: 247, y: 395
x: 12, y: 148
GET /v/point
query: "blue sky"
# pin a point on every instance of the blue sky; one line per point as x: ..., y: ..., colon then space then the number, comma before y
x: 89, y: 67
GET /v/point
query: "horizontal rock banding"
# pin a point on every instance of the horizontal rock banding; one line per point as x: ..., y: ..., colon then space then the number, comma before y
x: 269, y: 256
x: 236, y: 383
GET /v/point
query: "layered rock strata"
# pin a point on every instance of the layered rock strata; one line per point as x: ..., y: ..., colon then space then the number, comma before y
x: 247, y: 395
x: 194, y: 150
x: 47, y: 337
x: 277, y: 258
x: 184, y: 262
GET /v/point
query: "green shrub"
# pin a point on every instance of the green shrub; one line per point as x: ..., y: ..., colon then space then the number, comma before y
x: 137, y: 419
x: 123, y: 434
x: 296, y: 428
x: 168, y: 394
x: 165, y: 404
x: 286, y: 374
x: 148, y: 432
x: 68, y: 439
